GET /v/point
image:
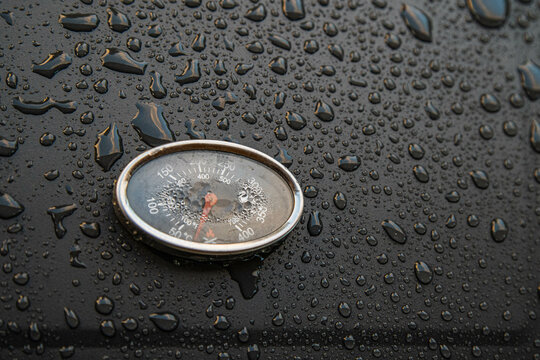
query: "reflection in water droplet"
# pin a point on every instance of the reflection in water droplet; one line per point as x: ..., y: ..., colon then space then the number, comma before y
x: 108, y: 147
x: 417, y: 21
x: 151, y: 126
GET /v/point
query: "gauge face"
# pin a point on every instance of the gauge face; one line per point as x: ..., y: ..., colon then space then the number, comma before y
x: 210, y: 196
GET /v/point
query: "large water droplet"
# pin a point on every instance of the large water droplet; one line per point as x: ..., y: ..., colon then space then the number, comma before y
x: 151, y: 125
x: 41, y: 107
x: 58, y: 213
x: 191, y: 73
x: 55, y: 62
x: 108, y: 147
x: 349, y: 162
x: 117, y: 21
x: 79, y: 22
x: 423, y: 272
x: 119, y: 60
x: 164, y: 321
x: 314, y: 225
x: 491, y: 13
x: 9, y: 207
x: 293, y: 9
x: 417, y: 21
x: 499, y: 230
x: 395, y: 231
x: 530, y: 79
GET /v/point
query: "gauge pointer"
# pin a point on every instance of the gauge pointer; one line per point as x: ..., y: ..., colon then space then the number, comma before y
x: 209, y: 200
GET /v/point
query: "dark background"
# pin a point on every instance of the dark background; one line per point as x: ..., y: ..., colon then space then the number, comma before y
x: 483, y: 298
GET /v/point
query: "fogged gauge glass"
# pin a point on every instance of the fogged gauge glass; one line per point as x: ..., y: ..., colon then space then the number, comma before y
x: 208, y: 198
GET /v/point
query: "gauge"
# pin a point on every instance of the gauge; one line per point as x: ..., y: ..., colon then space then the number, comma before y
x: 208, y: 198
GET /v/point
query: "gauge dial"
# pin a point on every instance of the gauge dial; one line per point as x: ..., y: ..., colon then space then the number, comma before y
x: 216, y: 198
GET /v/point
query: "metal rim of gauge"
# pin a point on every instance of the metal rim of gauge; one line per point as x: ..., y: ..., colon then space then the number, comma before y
x: 164, y: 241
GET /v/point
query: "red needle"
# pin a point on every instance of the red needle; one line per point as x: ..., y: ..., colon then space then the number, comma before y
x: 209, y: 200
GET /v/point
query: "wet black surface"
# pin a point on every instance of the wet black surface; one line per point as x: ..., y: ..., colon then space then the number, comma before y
x: 414, y: 130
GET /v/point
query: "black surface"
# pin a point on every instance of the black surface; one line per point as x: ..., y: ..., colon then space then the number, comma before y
x: 483, y: 296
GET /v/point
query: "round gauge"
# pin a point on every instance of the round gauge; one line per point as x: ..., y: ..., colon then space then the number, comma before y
x: 208, y: 198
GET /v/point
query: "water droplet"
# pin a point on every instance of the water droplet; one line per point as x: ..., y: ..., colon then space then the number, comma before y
x: 117, y: 21
x: 293, y: 9
x: 256, y: 13
x: 55, y: 62
x: 107, y: 328
x: 480, y: 179
x: 421, y: 173
x: 58, y: 213
x: 11, y: 80
x: 246, y: 274
x: 535, y: 135
x: 278, y: 65
x: 108, y: 147
x: 499, y: 230
x: 9, y: 207
x: 530, y: 79
x: 72, y: 320
x: 104, y: 305
x: 177, y: 49
x: 349, y: 162
x: 8, y: 147
x: 79, y: 22
x: 151, y: 126
x: 221, y: 322
x: 423, y: 272
x: 315, y: 225
x: 41, y: 107
x: 340, y: 200
x: 191, y: 73
x: 119, y: 60
x: 324, y: 111
x: 417, y: 21
x: 90, y: 229
x: 394, y: 231
x: 490, y: 103
x: 164, y: 321
x: 491, y: 13
x: 156, y: 87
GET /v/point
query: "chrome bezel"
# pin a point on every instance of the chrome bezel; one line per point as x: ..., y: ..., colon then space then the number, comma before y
x: 156, y: 237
